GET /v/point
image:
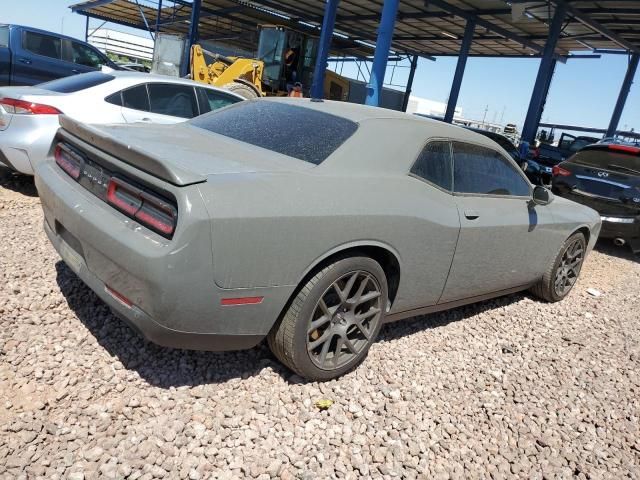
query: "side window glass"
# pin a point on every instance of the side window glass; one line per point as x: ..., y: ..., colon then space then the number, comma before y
x: 482, y: 170
x: 212, y: 100
x: 136, y: 98
x: 84, y: 55
x: 46, y: 45
x: 114, y: 99
x: 434, y: 164
x: 172, y: 99
x: 4, y: 36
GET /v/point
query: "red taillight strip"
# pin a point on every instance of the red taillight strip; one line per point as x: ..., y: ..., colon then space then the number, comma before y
x: 625, y: 148
x: 68, y: 160
x: 143, y: 209
x: 557, y: 170
x: 30, y: 107
x: 155, y: 223
x: 112, y: 197
x: 228, y: 302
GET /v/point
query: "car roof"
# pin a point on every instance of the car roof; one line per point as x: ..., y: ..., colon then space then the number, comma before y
x: 39, y: 30
x: 362, y: 113
x: 130, y: 76
x: 351, y: 111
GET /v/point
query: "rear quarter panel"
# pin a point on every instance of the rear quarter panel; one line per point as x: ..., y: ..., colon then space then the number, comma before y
x: 271, y: 229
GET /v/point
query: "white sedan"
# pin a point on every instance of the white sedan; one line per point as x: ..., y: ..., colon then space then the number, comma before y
x: 29, y: 115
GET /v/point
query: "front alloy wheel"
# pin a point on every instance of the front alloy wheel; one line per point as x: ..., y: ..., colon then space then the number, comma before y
x: 569, y: 267
x: 562, y: 274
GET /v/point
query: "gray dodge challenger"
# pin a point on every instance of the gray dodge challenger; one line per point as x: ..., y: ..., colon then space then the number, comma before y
x: 308, y: 223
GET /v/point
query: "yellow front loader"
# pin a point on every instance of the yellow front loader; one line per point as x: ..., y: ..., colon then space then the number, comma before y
x: 239, y: 75
x: 284, y: 57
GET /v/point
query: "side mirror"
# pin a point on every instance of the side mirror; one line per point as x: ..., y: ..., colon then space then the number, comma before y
x: 541, y: 196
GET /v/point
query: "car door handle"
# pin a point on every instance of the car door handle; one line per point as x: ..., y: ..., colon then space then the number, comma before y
x: 471, y: 214
x: 145, y: 119
x: 75, y: 70
x: 25, y: 60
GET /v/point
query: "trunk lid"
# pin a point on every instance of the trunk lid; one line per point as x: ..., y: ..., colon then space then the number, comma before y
x: 180, y: 154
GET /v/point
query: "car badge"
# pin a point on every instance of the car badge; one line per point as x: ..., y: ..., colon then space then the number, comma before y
x: 603, y: 174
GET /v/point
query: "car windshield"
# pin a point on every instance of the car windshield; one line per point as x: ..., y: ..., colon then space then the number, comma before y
x: 609, y: 159
x: 75, y: 83
x: 298, y: 132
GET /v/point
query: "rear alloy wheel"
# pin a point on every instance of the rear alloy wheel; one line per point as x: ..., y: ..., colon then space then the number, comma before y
x: 334, y: 319
x: 563, y: 274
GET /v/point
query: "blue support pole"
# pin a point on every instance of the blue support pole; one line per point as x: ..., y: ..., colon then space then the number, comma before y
x: 545, y: 93
x: 193, y: 35
x: 158, y: 15
x: 545, y: 72
x: 329, y: 20
x: 467, y: 40
x: 412, y: 73
x: 383, y: 45
x: 624, y: 93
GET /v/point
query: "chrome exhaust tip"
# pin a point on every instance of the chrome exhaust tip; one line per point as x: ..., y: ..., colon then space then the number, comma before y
x: 619, y: 241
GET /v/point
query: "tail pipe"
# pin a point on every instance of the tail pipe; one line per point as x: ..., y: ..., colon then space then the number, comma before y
x: 620, y: 242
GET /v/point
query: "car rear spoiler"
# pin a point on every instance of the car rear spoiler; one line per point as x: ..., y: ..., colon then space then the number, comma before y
x: 129, y: 154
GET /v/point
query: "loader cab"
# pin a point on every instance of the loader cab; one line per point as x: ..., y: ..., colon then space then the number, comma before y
x: 277, y: 46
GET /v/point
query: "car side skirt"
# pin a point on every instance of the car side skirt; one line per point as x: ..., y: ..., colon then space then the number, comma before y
x: 457, y: 303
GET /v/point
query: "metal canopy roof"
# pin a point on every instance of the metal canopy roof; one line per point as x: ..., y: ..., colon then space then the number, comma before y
x: 423, y: 27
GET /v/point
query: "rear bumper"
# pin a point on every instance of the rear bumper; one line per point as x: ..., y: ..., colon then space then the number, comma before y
x: 143, y: 323
x: 621, y: 224
x: 26, y: 141
x: 174, y: 301
x: 613, y: 229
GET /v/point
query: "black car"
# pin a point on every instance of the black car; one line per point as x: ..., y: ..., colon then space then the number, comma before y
x: 501, y: 140
x: 543, y: 158
x: 605, y: 177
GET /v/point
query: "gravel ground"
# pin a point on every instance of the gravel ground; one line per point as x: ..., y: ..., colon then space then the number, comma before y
x: 506, y: 388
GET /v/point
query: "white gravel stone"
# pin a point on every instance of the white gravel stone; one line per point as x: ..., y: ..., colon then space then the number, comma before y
x: 510, y: 388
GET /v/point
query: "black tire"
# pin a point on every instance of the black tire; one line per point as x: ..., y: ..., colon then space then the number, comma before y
x: 546, y: 288
x: 243, y: 90
x: 343, y: 324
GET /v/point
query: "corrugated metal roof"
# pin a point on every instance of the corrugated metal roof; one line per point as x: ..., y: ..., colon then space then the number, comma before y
x: 428, y: 28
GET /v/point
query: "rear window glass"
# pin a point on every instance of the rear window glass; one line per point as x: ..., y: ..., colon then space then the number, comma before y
x: 4, y: 36
x: 298, y: 132
x: 609, y: 159
x: 75, y: 83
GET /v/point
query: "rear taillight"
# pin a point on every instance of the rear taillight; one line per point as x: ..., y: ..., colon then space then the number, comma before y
x: 558, y: 171
x: 150, y: 210
x: 22, y: 107
x: 68, y: 160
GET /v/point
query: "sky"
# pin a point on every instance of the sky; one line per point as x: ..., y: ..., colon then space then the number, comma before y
x: 583, y: 91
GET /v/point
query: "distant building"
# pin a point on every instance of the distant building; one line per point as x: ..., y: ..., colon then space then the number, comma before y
x: 134, y: 47
x: 431, y: 108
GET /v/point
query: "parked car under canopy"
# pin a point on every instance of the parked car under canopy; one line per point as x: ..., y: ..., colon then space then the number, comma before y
x: 309, y: 223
